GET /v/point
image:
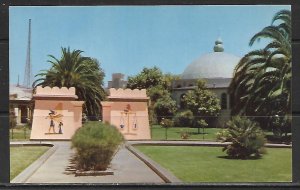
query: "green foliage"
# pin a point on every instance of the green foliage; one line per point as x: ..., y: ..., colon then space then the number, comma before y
x: 157, y: 92
x: 281, y: 125
x: 194, y: 164
x: 152, y: 115
x: 158, y: 87
x: 95, y: 144
x: 166, y: 123
x: 84, y: 118
x: 12, y: 120
x: 184, y: 134
x: 83, y: 73
x: 168, y: 79
x: 262, y: 79
x: 203, y: 103
x: 164, y: 107
x: 22, y: 156
x: 184, y: 118
x: 246, y: 137
x: 157, y: 133
x: 149, y: 77
x: 202, y: 123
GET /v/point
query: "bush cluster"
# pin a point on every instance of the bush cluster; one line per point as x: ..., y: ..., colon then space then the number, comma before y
x: 184, y: 134
x: 95, y: 145
x: 166, y: 123
x: 281, y: 125
x: 246, y: 137
x: 184, y: 119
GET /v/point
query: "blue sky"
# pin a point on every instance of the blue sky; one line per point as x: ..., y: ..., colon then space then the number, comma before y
x: 127, y: 38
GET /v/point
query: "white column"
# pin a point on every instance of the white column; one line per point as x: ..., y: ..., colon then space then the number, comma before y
x: 28, y: 114
x: 19, y: 116
x: 16, y: 110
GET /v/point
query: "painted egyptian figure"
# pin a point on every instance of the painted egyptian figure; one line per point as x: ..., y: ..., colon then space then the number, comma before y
x: 53, y: 116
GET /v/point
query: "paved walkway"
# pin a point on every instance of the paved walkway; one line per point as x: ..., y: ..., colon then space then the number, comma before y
x: 127, y: 168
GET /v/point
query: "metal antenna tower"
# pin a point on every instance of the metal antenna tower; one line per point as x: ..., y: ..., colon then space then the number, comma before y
x: 28, y: 71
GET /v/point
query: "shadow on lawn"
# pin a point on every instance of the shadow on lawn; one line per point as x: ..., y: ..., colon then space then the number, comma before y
x: 234, y: 158
x: 283, y: 139
x: 196, y: 133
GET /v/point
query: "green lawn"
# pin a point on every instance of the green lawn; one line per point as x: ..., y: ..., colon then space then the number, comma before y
x: 174, y: 133
x: 209, y: 164
x: 19, y: 134
x: 22, y: 157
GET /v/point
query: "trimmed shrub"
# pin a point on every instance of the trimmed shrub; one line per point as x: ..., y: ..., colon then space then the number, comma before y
x: 246, y: 137
x: 184, y: 134
x: 166, y: 123
x: 184, y: 119
x: 281, y: 125
x: 201, y: 123
x: 95, y: 145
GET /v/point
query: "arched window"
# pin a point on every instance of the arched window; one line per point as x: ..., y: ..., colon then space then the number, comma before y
x: 224, y: 101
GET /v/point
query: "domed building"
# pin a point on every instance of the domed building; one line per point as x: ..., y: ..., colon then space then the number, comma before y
x: 216, y: 69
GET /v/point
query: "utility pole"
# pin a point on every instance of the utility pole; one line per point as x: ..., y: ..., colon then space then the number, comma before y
x: 28, y: 70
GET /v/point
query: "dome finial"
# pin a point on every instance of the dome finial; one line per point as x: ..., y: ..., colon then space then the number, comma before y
x: 219, y: 45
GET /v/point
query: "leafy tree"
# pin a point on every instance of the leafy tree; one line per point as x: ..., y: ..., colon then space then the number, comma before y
x: 262, y: 79
x: 149, y: 77
x: 165, y: 107
x: 74, y: 70
x: 203, y: 103
x: 166, y: 123
x: 201, y: 123
x: 168, y: 79
x: 184, y: 118
x: 281, y: 125
x: 157, y: 92
x: 158, y: 86
x: 246, y: 137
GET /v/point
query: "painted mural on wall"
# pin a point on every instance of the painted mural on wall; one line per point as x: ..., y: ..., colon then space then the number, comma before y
x: 128, y: 120
x: 127, y: 110
x: 57, y: 114
x: 55, y: 119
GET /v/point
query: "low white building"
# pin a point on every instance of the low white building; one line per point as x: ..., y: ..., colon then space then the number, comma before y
x: 20, y: 103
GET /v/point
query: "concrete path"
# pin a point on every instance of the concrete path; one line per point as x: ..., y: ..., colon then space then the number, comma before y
x: 127, y: 168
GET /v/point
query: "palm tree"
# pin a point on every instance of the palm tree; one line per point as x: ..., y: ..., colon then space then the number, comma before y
x: 262, y: 80
x: 74, y: 70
